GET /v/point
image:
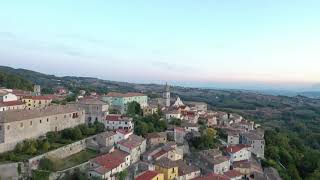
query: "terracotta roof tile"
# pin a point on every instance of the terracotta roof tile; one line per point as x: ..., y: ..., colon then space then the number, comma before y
x: 111, y: 160
x: 147, y: 175
x: 213, y: 176
x: 236, y: 148
x: 132, y: 142
x: 11, y: 103
x: 38, y: 97
x: 233, y: 174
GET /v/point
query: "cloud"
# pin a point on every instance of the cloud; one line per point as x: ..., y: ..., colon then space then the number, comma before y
x: 172, y: 67
x: 8, y: 35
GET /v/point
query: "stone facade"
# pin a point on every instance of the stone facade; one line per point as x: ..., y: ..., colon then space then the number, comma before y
x: 36, y: 102
x: 18, y: 125
x: 59, y: 153
x: 95, y: 109
x: 255, y: 141
x: 134, y: 145
x: 156, y: 138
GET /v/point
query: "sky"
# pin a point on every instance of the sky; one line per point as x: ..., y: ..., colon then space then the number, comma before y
x: 218, y: 43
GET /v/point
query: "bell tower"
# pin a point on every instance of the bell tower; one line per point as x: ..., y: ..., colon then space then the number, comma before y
x: 166, y: 95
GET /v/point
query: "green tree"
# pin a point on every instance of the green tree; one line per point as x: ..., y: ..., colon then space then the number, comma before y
x: 46, y: 146
x: 175, y: 121
x: 122, y: 175
x: 134, y: 108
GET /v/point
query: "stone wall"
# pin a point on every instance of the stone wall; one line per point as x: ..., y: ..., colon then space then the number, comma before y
x: 59, y: 153
x: 60, y: 174
x: 14, y: 132
x: 9, y: 171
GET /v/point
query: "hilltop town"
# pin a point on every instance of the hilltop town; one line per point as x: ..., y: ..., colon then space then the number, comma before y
x: 125, y: 136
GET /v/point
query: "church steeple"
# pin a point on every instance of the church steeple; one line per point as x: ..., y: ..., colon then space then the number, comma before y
x: 166, y: 95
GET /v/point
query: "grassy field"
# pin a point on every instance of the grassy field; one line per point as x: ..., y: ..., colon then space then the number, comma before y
x: 76, y: 159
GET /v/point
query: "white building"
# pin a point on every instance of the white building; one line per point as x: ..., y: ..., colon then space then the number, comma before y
x: 12, y: 105
x: 172, y: 114
x: 117, y: 121
x: 239, y: 152
x: 6, y: 96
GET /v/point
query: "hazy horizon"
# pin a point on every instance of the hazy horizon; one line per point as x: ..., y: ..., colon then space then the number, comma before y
x: 240, y: 44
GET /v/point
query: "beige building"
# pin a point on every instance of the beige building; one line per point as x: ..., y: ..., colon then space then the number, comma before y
x: 36, y: 102
x: 95, y: 109
x: 18, y: 125
x: 156, y: 138
x: 12, y: 105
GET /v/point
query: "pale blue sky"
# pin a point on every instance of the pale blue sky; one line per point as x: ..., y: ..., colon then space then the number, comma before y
x: 197, y: 41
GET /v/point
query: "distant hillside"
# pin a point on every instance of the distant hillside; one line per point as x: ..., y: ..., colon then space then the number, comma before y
x: 70, y: 82
x: 14, y: 81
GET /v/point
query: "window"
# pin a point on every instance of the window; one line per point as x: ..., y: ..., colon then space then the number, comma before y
x: 47, y: 119
x: 8, y: 127
x: 0, y: 128
x: 65, y: 116
x: 40, y: 121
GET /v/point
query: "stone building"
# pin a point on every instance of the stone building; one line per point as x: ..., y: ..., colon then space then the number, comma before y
x: 95, y: 109
x: 187, y: 171
x: 120, y: 101
x: 166, y: 95
x: 12, y: 105
x: 156, y: 138
x: 18, y: 125
x: 134, y: 145
x: 212, y: 161
x: 108, y: 165
x: 255, y: 141
x: 36, y: 102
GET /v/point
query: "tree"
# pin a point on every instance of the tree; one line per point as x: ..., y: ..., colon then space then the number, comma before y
x: 122, y: 175
x: 99, y: 127
x: 46, y: 146
x: 141, y: 128
x: 134, y: 108
x: 175, y: 121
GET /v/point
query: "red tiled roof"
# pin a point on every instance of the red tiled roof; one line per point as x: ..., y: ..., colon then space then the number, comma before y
x: 213, y: 176
x: 19, y: 92
x: 147, y: 175
x: 38, y: 97
x: 111, y: 160
x: 11, y: 103
x: 233, y: 174
x: 236, y: 148
x: 188, y: 113
x: 132, y: 142
x: 159, y: 154
x: 115, y: 94
x: 113, y: 117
